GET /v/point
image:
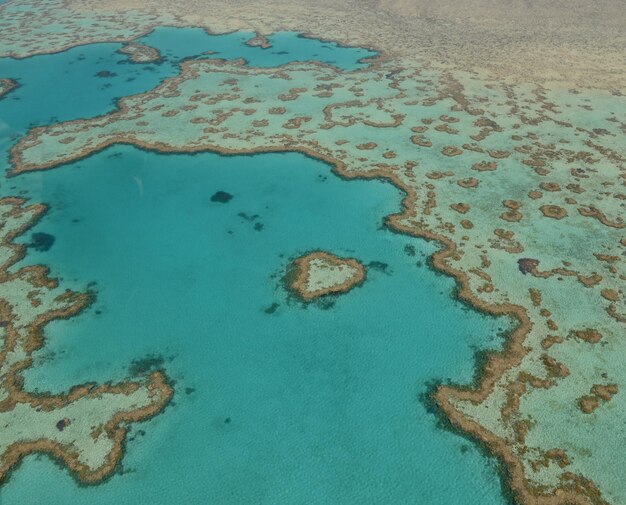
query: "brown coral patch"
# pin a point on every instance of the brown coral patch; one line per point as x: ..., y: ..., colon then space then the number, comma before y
x: 600, y: 393
x: 485, y: 166
x: 140, y: 53
x: 553, y: 211
x: 588, y: 335
x: 550, y: 186
x: 512, y: 216
x: 72, y: 303
x: 591, y: 211
x: 470, y: 182
x: 259, y: 41
x: 420, y: 141
x: 366, y: 146
x: 298, y: 273
x: 451, y: 151
x: 554, y: 368
x: 460, y: 207
x: 7, y: 85
x: 550, y: 340
x: 610, y: 294
x: 499, y: 154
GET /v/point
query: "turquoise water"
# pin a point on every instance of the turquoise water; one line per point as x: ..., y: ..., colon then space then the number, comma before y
x: 285, y: 47
x: 294, y: 405
x: 323, y: 403
x: 67, y: 86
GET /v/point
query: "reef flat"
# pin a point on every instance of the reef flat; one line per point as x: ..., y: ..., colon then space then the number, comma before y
x: 530, y: 218
x: 29, y: 28
x: 545, y: 41
x: 85, y: 428
x: 520, y: 180
x: 320, y: 273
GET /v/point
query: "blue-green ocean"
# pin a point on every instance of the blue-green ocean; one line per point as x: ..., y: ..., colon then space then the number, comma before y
x: 275, y: 402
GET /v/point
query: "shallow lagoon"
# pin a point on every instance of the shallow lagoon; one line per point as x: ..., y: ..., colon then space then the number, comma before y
x: 85, y: 81
x: 304, y: 405
x: 299, y: 404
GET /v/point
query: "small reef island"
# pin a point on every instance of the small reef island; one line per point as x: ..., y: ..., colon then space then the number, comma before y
x: 320, y: 273
x: 140, y: 53
x: 6, y: 85
x: 502, y: 132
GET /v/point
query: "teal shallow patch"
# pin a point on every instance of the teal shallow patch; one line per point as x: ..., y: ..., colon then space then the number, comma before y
x: 291, y: 405
x: 303, y: 405
x: 286, y: 47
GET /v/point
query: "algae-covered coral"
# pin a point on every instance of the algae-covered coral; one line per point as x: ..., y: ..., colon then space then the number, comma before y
x: 320, y: 273
x: 522, y: 184
x: 6, y: 85
x: 85, y: 428
x: 529, y: 212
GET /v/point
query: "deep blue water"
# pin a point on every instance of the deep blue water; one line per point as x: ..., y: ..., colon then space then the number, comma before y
x: 304, y: 405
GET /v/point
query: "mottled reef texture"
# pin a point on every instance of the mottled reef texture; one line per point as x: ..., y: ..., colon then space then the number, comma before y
x: 521, y: 182
x: 320, y: 273
x: 85, y: 428
x: 570, y: 41
x: 529, y: 211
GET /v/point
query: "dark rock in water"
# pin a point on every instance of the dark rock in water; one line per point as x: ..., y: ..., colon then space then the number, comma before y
x: 189, y: 391
x: 221, y: 197
x: 326, y: 303
x: 105, y: 74
x: 258, y: 226
x: 41, y: 241
x: 138, y: 433
x: 145, y: 365
x: 247, y: 217
x: 527, y: 265
x: 378, y: 265
x: 62, y: 424
x: 272, y: 308
x: 409, y: 250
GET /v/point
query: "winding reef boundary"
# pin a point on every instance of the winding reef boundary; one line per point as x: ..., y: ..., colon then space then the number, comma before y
x: 573, y: 489
x: 581, y: 491
x: 20, y: 342
x: 299, y: 272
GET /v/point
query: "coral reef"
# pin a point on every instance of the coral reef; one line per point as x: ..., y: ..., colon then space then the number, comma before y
x: 320, y: 273
x: 84, y: 428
